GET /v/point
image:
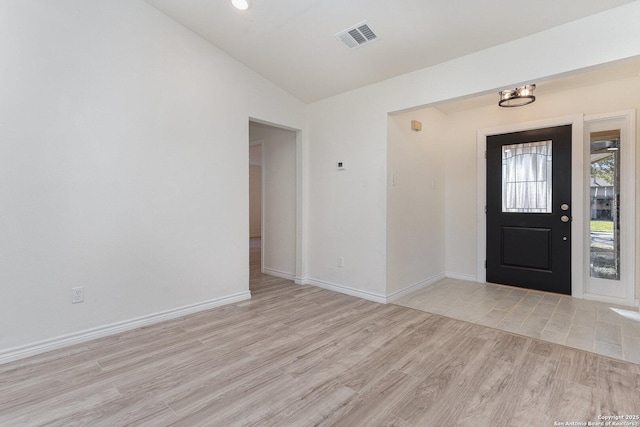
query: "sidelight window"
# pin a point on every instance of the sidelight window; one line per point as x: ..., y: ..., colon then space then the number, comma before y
x: 604, y: 230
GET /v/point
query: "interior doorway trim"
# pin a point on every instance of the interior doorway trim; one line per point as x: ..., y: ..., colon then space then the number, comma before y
x: 577, y: 192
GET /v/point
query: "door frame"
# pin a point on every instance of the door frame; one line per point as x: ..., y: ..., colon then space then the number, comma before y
x: 577, y: 193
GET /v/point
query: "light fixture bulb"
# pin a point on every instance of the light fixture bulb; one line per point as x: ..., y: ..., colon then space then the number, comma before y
x: 240, y: 4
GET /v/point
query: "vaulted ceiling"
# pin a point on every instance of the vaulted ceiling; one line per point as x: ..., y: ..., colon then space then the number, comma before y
x: 293, y: 43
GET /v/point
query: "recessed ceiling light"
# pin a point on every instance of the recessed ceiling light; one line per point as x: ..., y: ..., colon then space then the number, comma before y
x: 240, y: 4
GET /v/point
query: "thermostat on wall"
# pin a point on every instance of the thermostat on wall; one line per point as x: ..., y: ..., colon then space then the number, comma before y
x: 341, y: 165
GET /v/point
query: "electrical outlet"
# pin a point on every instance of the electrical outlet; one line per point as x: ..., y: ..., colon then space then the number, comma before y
x: 77, y: 295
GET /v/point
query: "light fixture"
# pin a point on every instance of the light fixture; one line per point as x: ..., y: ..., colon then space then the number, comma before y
x: 517, y: 97
x: 240, y: 4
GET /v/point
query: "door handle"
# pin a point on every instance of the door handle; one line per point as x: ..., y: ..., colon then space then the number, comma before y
x: 565, y: 218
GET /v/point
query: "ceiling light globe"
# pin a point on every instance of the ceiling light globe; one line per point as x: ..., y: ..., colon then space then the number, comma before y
x: 240, y: 4
x: 517, y: 97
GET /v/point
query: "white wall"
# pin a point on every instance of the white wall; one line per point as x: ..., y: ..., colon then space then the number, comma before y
x: 255, y: 190
x: 279, y: 203
x: 255, y: 201
x: 415, y: 201
x: 348, y: 210
x: 123, y: 167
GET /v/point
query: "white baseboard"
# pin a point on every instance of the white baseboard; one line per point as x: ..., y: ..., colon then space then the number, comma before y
x: 280, y: 274
x: 415, y: 287
x: 17, y: 353
x: 345, y: 290
x: 461, y: 276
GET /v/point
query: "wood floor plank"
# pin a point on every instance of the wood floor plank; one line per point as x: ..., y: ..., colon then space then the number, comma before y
x: 34, y: 367
x: 440, y: 374
x: 225, y: 404
x: 482, y: 373
x: 121, y: 411
x: 489, y: 390
x: 618, y: 388
x: 510, y: 348
x: 377, y: 365
x: 579, y: 367
x: 198, y: 393
x: 38, y: 388
x: 571, y: 401
x: 57, y: 407
x: 430, y: 359
x: 157, y: 380
x: 532, y: 396
x: 310, y: 408
x: 375, y: 403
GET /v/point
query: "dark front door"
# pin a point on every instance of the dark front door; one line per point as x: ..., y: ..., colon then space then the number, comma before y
x: 529, y: 209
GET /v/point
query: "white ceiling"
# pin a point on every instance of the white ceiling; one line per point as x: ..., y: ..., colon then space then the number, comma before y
x: 293, y: 44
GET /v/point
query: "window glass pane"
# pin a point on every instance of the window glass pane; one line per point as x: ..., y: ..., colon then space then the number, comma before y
x: 526, y: 177
x: 604, y: 227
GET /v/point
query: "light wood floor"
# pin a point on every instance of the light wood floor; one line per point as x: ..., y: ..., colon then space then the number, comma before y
x: 301, y: 356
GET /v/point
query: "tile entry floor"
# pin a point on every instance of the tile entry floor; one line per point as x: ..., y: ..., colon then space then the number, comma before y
x: 582, y: 324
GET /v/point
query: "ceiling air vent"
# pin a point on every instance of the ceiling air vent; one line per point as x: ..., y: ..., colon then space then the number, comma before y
x: 357, y: 35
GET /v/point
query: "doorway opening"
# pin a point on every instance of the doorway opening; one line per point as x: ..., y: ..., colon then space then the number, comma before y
x: 273, y: 201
